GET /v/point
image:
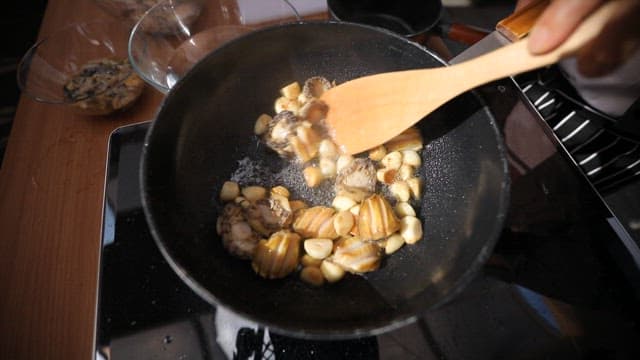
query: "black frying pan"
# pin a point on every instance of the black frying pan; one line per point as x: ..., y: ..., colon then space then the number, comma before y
x: 409, y: 18
x: 205, y: 127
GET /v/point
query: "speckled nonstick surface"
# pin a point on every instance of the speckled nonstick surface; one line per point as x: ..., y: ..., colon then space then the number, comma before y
x: 203, y: 135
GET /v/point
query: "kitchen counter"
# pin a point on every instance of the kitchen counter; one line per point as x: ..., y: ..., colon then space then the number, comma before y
x: 51, y: 193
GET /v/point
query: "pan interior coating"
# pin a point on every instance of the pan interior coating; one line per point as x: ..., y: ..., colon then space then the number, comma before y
x: 203, y: 135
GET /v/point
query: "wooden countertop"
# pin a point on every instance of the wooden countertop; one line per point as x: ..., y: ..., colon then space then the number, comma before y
x: 51, y: 193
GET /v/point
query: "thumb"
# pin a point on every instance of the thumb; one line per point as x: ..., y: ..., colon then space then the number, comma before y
x: 557, y: 22
x: 617, y: 42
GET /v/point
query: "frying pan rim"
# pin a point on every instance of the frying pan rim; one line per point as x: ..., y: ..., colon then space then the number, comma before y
x: 458, y: 285
x: 423, y: 30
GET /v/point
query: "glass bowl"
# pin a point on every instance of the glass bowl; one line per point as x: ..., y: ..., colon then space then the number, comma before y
x: 173, y: 35
x: 127, y: 10
x: 84, y: 66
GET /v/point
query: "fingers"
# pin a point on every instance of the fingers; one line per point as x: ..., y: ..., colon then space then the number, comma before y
x: 617, y: 42
x: 557, y: 22
x: 521, y: 4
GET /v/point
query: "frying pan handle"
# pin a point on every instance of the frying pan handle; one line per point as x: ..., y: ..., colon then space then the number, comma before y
x: 517, y: 25
x: 462, y: 33
x: 514, y: 27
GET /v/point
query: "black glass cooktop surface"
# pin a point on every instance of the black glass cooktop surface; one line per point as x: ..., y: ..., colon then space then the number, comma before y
x: 562, y: 283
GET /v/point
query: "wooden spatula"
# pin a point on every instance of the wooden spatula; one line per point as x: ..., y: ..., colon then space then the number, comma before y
x: 368, y: 111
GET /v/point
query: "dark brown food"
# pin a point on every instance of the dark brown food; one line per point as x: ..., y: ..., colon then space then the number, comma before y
x: 267, y: 216
x: 314, y: 87
x: 314, y: 110
x: 237, y: 235
x: 357, y: 180
x: 282, y: 126
x: 103, y: 86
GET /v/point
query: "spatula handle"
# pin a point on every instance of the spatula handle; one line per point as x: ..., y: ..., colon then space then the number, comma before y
x: 515, y: 58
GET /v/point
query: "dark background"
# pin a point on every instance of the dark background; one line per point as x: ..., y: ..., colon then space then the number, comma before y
x: 19, y: 23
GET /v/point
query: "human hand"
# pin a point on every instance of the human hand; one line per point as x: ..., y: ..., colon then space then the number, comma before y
x: 619, y: 39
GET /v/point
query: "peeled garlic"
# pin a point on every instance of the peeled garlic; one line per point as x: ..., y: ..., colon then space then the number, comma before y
x: 327, y: 167
x: 312, y: 276
x: 282, y: 202
x: 410, y: 229
x: 282, y: 104
x: 280, y: 190
x: 331, y: 271
x: 312, y: 176
x: 405, y: 172
x: 328, y: 149
x: 377, y: 153
x: 305, y: 143
x: 291, y: 91
x: 411, y: 157
x: 242, y: 201
x: 343, y: 161
x: 404, y: 209
x: 230, y: 190
x: 309, y: 136
x: 253, y: 193
x: 416, y: 187
x: 262, y: 124
x: 392, y: 160
x: 393, y: 243
x: 318, y: 248
x: 299, y: 149
x: 400, y: 190
x: 342, y: 202
x: 302, y: 99
x: 308, y: 260
x: 386, y: 176
x: 343, y: 222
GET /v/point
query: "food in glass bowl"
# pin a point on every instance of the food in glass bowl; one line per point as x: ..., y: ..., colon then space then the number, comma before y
x: 370, y: 211
x: 83, y: 66
x: 104, y: 86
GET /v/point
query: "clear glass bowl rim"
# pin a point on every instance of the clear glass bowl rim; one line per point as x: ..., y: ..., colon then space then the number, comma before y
x: 161, y: 87
x: 22, y: 74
